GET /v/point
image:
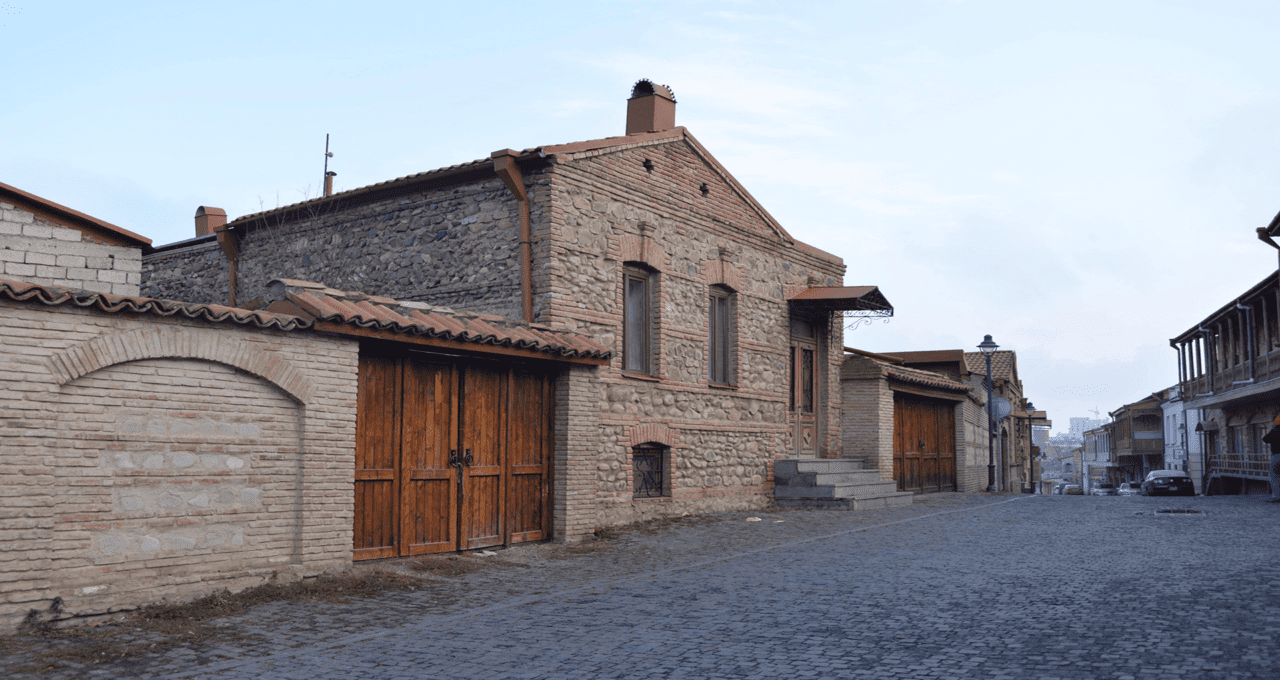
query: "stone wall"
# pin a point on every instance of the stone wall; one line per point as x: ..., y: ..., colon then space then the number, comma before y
x: 610, y: 210
x: 194, y: 273
x: 146, y: 458
x: 452, y: 247
x: 35, y: 250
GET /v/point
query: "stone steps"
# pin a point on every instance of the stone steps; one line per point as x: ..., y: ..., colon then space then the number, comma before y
x: 833, y: 484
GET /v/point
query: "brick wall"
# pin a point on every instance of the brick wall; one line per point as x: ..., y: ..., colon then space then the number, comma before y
x: 145, y: 458
x: 867, y: 420
x: 35, y: 250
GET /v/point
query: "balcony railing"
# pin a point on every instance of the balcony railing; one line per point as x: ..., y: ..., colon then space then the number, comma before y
x: 1265, y: 367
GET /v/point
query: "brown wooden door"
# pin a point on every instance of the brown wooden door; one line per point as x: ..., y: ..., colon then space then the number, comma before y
x: 804, y: 404
x: 924, y: 458
x: 450, y: 455
x: 483, y: 447
x: 529, y: 450
x: 428, y: 483
x: 377, y: 453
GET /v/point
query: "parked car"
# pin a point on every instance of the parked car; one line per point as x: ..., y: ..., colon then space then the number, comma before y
x: 1130, y: 489
x: 1073, y: 490
x: 1168, y: 483
x: 1104, y: 489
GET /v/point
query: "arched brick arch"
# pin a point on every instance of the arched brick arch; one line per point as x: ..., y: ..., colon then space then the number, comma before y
x: 655, y: 433
x: 169, y: 342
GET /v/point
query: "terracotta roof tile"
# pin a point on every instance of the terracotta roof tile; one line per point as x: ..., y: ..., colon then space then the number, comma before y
x: 384, y: 314
x: 54, y: 296
x: 326, y: 304
x: 1001, y: 364
x: 925, y: 378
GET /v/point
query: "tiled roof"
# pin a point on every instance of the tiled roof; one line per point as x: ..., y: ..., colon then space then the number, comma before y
x: 55, y: 296
x: 1001, y: 364
x: 916, y: 376
x: 416, y: 318
x: 318, y: 304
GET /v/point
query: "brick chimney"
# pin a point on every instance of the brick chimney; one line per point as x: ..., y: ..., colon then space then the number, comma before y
x: 209, y: 219
x: 651, y: 108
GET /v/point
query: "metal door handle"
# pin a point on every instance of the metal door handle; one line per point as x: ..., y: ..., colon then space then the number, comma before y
x: 454, y: 461
x: 468, y: 460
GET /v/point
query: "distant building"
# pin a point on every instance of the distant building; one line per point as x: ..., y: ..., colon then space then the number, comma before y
x: 1081, y: 425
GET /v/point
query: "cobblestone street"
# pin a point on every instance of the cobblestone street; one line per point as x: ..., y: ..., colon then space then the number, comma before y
x: 954, y: 586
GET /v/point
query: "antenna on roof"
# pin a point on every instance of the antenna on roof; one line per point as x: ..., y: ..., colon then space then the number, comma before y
x: 328, y: 176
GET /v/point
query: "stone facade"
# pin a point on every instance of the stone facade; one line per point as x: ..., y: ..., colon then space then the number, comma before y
x: 37, y: 248
x: 660, y: 201
x: 192, y: 271
x: 149, y: 457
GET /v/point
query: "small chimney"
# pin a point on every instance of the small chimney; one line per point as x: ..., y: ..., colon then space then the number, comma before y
x: 651, y: 108
x: 328, y: 182
x: 208, y: 219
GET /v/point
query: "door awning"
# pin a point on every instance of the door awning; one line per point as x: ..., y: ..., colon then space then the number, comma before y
x: 842, y: 299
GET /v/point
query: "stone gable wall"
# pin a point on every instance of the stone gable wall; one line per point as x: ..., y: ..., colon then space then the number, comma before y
x: 456, y: 246
x: 196, y: 273
x: 607, y: 209
x: 144, y: 458
x: 35, y: 250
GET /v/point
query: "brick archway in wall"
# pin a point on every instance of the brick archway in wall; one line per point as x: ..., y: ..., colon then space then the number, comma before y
x: 178, y: 343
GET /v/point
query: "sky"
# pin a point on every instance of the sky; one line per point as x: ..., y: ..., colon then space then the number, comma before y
x: 1080, y: 180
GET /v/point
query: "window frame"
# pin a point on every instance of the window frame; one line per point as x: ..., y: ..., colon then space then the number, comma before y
x: 721, y: 337
x: 642, y: 357
x: 651, y: 451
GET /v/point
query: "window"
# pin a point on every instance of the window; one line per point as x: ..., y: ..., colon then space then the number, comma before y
x: 637, y: 320
x: 648, y: 470
x: 720, y: 340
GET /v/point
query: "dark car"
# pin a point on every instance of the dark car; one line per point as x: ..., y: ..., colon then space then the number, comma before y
x: 1168, y: 483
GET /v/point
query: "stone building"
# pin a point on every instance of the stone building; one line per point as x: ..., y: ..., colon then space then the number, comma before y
x: 724, y: 332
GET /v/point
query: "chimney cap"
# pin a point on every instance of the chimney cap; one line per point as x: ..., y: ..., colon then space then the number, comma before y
x: 210, y: 211
x: 645, y: 87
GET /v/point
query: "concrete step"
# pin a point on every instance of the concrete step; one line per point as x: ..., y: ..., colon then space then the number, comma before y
x: 875, y: 490
x: 795, y: 466
x: 897, y: 499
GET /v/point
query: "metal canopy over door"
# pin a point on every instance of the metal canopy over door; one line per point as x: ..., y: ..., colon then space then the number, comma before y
x: 450, y: 455
x: 924, y: 444
x: 804, y: 404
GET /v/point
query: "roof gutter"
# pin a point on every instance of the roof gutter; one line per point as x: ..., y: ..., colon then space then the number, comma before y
x: 230, y: 243
x: 504, y: 165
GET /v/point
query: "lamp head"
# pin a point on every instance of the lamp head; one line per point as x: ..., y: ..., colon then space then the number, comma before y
x: 988, y: 345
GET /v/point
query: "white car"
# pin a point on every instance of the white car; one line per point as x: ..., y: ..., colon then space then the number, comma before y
x: 1130, y: 489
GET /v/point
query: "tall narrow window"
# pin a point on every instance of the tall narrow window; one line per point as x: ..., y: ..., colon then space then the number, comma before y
x: 720, y: 340
x: 637, y: 321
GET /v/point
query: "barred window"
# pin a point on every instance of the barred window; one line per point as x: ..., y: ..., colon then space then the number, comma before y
x: 648, y: 468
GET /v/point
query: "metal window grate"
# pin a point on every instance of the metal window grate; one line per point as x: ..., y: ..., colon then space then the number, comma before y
x: 647, y: 469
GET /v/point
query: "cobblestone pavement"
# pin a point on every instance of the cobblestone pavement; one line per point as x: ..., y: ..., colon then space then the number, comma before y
x: 954, y: 586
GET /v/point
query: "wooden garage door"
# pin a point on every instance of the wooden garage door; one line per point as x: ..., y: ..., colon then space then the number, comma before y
x: 450, y: 455
x: 924, y: 444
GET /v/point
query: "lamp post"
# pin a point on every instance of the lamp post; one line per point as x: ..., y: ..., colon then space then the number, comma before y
x: 1031, y: 444
x: 988, y: 347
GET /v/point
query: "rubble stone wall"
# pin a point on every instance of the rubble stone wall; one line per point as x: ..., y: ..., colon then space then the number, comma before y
x: 146, y: 458
x: 35, y: 250
x: 195, y: 273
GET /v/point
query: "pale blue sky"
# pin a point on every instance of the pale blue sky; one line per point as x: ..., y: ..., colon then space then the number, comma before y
x: 1081, y: 180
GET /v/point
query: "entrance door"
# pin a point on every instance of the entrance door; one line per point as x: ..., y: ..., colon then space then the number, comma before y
x: 803, y: 405
x: 450, y: 455
x: 924, y: 444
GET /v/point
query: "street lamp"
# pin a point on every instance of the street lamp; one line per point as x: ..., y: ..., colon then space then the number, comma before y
x: 1031, y: 443
x: 988, y: 347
